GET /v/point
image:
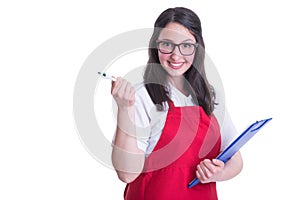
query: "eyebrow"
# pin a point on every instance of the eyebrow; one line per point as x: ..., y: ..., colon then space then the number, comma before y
x: 180, y: 42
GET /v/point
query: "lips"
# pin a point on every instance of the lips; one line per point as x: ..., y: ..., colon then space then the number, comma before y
x: 176, y: 65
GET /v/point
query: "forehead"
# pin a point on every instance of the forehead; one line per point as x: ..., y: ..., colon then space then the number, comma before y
x: 176, y: 32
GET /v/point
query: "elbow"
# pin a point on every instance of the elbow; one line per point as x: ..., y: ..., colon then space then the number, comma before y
x: 127, y: 177
x: 239, y: 163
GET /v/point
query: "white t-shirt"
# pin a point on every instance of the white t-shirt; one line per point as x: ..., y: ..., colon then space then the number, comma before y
x: 150, y: 122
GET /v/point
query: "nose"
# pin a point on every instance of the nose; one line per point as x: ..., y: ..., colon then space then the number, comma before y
x: 176, y: 53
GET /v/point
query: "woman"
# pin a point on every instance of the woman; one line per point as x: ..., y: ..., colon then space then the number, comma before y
x: 167, y: 132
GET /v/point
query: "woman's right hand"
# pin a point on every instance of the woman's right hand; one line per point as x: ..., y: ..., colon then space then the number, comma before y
x: 123, y: 93
x: 127, y: 158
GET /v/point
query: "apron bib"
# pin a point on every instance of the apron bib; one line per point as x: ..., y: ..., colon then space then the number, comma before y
x: 189, y: 136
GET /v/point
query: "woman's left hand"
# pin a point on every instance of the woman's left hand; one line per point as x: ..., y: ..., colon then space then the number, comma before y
x: 210, y: 170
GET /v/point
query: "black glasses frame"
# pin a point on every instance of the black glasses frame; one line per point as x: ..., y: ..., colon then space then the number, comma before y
x: 178, y: 46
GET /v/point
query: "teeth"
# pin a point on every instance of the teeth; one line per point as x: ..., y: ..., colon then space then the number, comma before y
x: 176, y: 64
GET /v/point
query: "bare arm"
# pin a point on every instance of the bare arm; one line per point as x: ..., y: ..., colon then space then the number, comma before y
x: 215, y: 170
x: 127, y: 158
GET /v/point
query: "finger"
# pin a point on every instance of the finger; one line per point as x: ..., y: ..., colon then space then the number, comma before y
x: 209, y: 165
x: 218, y: 163
x: 129, y: 94
x: 113, y: 84
x: 203, y: 172
x: 132, y: 96
x: 206, y: 170
x: 200, y: 174
x: 116, y: 86
x: 119, y: 89
x: 127, y: 91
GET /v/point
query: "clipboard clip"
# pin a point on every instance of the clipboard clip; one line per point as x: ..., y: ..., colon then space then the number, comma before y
x: 261, y: 124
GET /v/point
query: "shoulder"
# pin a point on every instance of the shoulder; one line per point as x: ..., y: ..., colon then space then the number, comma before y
x: 140, y: 89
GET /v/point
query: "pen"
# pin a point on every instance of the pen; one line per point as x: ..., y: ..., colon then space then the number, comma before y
x: 106, y: 76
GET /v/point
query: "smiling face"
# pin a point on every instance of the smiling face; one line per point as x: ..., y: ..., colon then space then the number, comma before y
x: 175, y: 64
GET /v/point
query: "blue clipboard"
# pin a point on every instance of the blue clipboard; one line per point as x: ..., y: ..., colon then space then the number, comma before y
x: 237, y: 144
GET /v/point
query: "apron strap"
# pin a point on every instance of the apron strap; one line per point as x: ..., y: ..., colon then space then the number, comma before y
x: 171, y: 104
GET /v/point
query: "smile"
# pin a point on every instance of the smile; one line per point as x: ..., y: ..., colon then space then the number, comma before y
x: 176, y: 65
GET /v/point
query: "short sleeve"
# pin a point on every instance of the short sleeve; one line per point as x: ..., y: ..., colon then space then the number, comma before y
x: 227, y: 128
x: 228, y: 131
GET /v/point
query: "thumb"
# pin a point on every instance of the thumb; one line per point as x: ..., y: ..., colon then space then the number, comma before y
x: 218, y: 162
x: 113, y: 84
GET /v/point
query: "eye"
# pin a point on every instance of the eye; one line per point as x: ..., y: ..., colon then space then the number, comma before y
x: 166, y: 44
x: 186, y: 45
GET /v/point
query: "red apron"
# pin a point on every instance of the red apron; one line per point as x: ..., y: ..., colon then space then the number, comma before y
x: 189, y: 136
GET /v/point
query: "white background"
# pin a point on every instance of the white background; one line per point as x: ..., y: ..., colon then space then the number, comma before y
x: 43, y: 44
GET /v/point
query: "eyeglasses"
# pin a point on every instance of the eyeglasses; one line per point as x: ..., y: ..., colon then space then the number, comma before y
x: 186, y: 49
